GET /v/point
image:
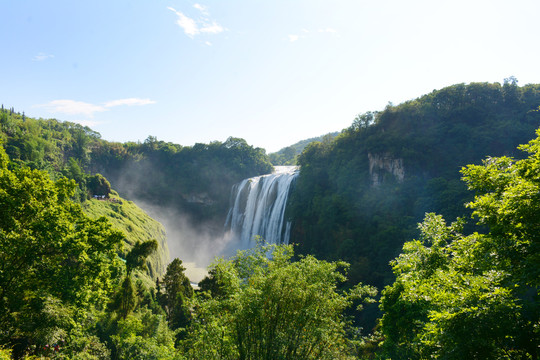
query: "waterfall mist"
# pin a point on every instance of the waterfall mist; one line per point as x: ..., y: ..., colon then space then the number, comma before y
x: 197, y: 246
x: 257, y: 208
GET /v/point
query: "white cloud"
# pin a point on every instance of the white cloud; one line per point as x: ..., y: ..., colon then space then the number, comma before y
x: 189, y: 25
x: 304, y: 33
x: 201, y: 8
x: 328, y: 30
x: 208, y: 43
x: 73, y: 107
x: 129, y: 102
x: 194, y: 27
x: 42, y: 57
x: 293, y: 38
x: 214, y: 28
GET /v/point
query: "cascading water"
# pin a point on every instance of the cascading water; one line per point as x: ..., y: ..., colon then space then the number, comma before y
x: 258, y: 207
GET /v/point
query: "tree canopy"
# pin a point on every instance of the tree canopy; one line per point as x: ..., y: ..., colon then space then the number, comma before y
x: 53, y: 259
x: 270, y: 307
x: 359, y: 197
x: 473, y: 296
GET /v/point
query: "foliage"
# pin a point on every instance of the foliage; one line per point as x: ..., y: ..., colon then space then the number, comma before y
x: 349, y: 204
x: 289, y: 154
x: 54, y: 261
x: 136, y: 225
x: 5, y: 354
x: 270, y: 307
x: 474, y: 296
x: 98, y: 185
x: 177, y: 291
x: 136, y: 258
x: 144, y: 335
x: 194, y: 180
x: 125, y: 299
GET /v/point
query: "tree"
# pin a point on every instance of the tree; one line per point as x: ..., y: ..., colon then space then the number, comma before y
x: 136, y: 258
x: 56, y: 264
x: 98, y: 185
x: 363, y: 121
x: 475, y: 296
x: 125, y: 299
x: 143, y: 335
x: 271, y: 307
x: 177, y: 291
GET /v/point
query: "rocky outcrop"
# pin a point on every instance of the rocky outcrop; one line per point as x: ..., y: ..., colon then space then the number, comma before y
x: 382, y: 164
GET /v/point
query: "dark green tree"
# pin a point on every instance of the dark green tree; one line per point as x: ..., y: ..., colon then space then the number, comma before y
x: 136, y: 257
x: 98, y: 185
x: 177, y: 292
x: 125, y: 299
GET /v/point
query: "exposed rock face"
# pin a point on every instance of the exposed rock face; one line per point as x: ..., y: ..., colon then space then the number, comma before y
x: 382, y: 164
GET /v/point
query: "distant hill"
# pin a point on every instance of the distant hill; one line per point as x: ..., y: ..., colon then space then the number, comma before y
x: 287, y: 155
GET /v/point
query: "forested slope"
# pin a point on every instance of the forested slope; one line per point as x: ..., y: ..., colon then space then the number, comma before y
x: 136, y: 226
x: 63, y: 149
x: 288, y: 155
x: 360, y: 197
x: 194, y: 181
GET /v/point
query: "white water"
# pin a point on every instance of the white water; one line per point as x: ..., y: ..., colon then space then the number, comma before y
x: 258, y: 208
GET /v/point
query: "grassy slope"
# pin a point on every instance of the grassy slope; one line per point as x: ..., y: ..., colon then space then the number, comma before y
x: 136, y: 226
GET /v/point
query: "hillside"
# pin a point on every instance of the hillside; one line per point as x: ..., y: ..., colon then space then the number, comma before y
x: 135, y: 224
x: 188, y: 182
x: 287, y: 155
x: 192, y: 181
x: 360, y: 197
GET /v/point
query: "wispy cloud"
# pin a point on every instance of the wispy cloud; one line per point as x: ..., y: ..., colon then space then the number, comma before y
x: 129, y: 102
x: 304, y: 33
x: 202, y: 25
x: 213, y: 28
x: 42, y: 57
x: 293, y: 37
x: 201, y: 8
x: 328, y: 30
x: 73, y: 107
x: 189, y: 25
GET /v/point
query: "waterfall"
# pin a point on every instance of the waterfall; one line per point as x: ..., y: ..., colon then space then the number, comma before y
x: 258, y: 207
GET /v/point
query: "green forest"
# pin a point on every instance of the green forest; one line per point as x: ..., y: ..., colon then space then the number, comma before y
x: 361, y: 196
x: 289, y: 155
x: 415, y: 235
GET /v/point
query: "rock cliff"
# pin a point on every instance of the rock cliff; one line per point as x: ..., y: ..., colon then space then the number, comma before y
x: 382, y: 164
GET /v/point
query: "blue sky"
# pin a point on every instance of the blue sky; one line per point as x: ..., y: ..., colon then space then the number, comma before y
x: 272, y: 72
